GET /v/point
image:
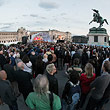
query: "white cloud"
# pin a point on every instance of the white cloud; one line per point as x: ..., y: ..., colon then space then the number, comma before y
x: 33, y: 15
x: 63, y: 14
x: 2, y: 2
x: 48, y: 5
x: 5, y: 27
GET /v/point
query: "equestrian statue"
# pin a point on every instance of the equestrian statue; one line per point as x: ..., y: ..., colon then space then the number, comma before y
x: 97, y: 18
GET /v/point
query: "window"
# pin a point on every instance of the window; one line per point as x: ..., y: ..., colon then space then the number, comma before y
x: 95, y: 38
x: 105, y: 39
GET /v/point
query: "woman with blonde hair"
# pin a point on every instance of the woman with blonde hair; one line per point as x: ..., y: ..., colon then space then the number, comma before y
x: 42, y: 98
x: 85, y: 80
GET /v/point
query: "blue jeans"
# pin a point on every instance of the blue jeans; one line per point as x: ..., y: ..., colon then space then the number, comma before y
x: 75, y: 99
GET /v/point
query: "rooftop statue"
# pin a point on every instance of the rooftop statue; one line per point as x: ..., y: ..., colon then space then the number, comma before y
x: 97, y: 18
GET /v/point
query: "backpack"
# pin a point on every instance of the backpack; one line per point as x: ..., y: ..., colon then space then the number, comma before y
x: 74, y: 89
x: 72, y: 97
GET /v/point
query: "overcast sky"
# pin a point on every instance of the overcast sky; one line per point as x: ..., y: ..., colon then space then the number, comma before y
x: 63, y: 15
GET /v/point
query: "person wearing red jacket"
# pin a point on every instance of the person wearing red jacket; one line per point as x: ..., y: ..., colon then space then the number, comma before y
x: 85, y: 79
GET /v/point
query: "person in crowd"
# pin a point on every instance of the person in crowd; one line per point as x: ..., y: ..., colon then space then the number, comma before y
x: 45, y: 58
x: 41, y: 98
x: 12, y: 59
x: 76, y: 66
x: 71, y: 92
x: 67, y: 60
x: 50, y: 59
x: 10, y: 75
x: 85, y: 80
x: 22, y: 52
x: 2, y: 59
x: 6, y: 92
x: 24, y: 80
x: 72, y: 53
x: 33, y: 58
x: 106, y: 97
x: 84, y: 58
x: 53, y: 82
x: 76, y: 55
x: 107, y: 59
x: 27, y: 64
x: 99, y: 85
x: 48, y: 52
x: 9, y: 70
x: 40, y: 65
x: 17, y: 60
x: 54, y: 56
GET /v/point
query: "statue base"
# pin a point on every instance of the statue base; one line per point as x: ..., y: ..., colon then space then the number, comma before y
x: 98, y: 30
x: 98, y: 36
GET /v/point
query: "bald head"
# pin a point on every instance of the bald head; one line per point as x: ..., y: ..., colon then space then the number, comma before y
x: 3, y: 75
x: 1, y: 52
x: 20, y: 65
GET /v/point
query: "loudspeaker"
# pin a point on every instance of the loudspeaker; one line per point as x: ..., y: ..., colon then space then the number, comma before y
x: 24, y: 39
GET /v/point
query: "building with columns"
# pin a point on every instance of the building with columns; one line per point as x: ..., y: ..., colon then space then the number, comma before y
x: 7, y: 37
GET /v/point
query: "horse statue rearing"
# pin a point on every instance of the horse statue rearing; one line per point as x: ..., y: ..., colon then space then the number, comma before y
x: 97, y: 18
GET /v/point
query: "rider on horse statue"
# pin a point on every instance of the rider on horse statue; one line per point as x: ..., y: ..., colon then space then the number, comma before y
x: 97, y: 18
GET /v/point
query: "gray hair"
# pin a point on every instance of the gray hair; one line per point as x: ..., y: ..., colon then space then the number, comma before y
x: 41, y: 84
x: 20, y: 65
x: 49, y: 68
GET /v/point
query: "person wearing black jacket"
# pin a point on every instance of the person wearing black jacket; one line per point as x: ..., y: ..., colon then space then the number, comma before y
x: 106, y: 97
x: 2, y: 59
x: 71, y: 92
x: 33, y: 59
x: 6, y: 92
x: 53, y: 82
x: 24, y: 80
x: 99, y: 86
x: 9, y: 70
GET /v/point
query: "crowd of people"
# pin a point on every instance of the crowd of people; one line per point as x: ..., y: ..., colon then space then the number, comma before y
x: 29, y: 69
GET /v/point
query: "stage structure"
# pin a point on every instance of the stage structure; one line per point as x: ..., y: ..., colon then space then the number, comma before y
x: 41, y: 37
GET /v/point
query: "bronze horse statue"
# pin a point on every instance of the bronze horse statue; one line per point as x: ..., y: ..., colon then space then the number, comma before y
x: 97, y: 18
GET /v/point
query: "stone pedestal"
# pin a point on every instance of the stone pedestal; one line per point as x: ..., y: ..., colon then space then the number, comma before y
x: 98, y: 36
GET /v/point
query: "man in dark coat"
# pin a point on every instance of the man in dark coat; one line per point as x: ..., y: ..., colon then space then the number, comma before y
x: 9, y: 70
x: 6, y: 92
x: 24, y: 80
x: 10, y: 76
x: 99, y: 86
x: 53, y: 82
x: 2, y: 59
x: 33, y: 59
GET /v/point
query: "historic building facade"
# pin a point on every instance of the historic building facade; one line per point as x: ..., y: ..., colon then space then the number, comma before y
x: 7, y: 37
